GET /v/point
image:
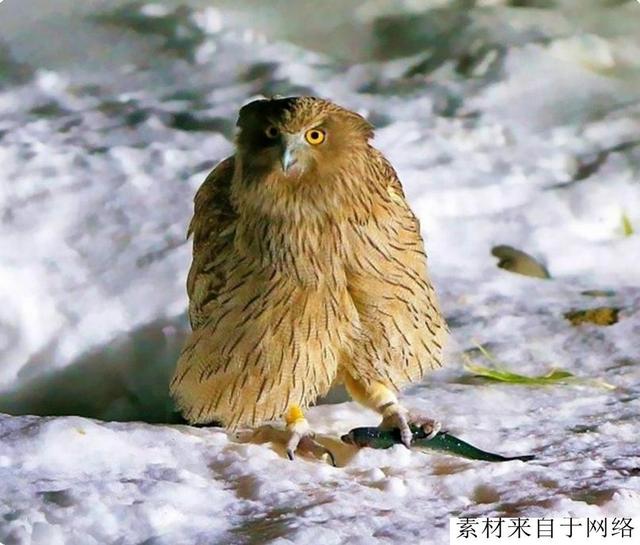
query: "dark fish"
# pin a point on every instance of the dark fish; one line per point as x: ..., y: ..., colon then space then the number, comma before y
x: 443, y: 441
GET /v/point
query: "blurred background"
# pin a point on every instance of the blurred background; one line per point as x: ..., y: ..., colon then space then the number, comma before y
x: 511, y: 122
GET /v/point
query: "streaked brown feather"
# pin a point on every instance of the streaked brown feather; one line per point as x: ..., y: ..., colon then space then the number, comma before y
x: 403, y: 330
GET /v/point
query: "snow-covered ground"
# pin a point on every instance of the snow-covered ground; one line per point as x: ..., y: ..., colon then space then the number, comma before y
x: 507, y: 125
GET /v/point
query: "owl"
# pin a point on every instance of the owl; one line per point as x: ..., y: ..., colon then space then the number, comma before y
x: 308, y: 270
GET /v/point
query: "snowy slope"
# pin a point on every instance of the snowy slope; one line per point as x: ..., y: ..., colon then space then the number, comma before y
x: 517, y: 126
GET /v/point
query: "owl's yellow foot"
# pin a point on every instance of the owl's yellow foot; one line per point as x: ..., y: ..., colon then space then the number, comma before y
x: 381, y: 398
x: 395, y: 416
x: 301, y: 438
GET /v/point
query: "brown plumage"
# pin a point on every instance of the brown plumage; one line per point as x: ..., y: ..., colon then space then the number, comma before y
x: 308, y: 269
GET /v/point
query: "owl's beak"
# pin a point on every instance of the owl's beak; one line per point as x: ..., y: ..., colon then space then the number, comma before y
x: 291, y: 149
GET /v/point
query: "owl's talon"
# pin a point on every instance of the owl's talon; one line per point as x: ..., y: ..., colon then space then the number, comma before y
x: 429, y: 426
x: 301, y: 438
x: 399, y: 419
x: 306, y: 444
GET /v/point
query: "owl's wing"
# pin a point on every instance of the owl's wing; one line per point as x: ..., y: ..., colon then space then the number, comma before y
x: 212, y: 231
x: 260, y: 341
x: 403, y: 329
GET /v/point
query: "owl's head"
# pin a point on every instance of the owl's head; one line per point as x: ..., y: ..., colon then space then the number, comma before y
x: 298, y: 137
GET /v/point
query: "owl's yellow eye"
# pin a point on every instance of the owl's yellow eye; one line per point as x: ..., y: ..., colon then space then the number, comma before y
x: 272, y: 132
x: 314, y: 136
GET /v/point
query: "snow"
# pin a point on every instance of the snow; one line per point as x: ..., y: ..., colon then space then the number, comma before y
x: 521, y: 129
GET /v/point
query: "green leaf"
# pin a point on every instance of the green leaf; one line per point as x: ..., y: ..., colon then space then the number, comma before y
x: 554, y: 376
x: 504, y: 375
